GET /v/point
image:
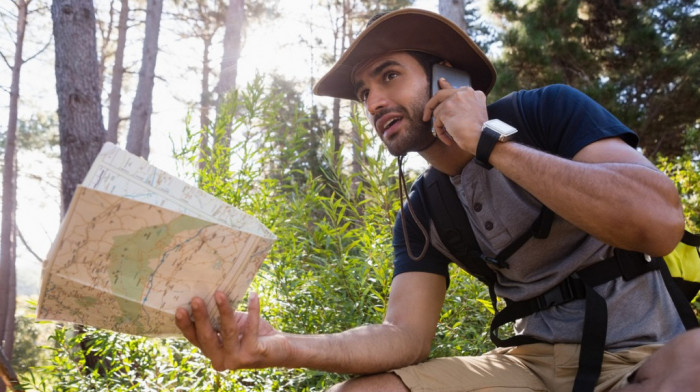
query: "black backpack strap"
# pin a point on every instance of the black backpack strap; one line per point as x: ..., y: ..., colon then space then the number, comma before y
x: 580, y: 285
x: 594, y: 324
x: 452, y: 225
x: 685, y: 311
x: 690, y: 289
x: 595, y: 329
x: 540, y: 229
x: 632, y: 264
x: 691, y: 239
x: 572, y: 288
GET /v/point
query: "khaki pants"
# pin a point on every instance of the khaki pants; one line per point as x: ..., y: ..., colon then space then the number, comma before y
x: 533, y: 367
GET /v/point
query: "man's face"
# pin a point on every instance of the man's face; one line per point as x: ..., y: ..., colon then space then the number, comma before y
x: 394, y: 90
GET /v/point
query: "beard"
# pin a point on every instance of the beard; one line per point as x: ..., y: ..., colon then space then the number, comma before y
x: 416, y: 135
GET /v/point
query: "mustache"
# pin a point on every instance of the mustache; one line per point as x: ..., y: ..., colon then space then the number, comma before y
x: 395, y: 109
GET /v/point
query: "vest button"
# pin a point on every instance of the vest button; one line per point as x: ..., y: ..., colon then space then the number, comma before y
x: 478, y: 207
x: 488, y: 225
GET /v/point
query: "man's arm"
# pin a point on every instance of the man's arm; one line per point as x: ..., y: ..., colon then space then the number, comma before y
x: 609, y: 189
x: 245, y: 341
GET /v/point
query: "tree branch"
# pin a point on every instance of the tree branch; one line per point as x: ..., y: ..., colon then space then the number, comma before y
x: 6, y: 62
x: 39, y: 52
x: 26, y: 245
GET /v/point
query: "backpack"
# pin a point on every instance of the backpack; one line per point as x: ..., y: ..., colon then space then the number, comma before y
x: 455, y: 232
x: 684, y: 264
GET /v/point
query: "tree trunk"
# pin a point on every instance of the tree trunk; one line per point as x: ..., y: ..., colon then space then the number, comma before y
x: 81, y: 133
x: 205, y: 106
x: 8, y: 377
x: 115, y: 94
x: 8, y: 245
x: 335, y: 125
x: 357, y: 158
x: 205, y: 98
x: 233, y: 42
x: 235, y: 18
x: 338, y: 49
x: 454, y: 11
x: 142, y: 107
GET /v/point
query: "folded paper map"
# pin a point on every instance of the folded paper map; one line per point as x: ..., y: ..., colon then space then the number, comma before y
x: 137, y: 243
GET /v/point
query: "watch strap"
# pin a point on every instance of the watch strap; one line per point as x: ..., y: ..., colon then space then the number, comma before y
x: 487, y: 141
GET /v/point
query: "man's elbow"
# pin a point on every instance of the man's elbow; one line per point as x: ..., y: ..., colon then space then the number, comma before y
x: 424, y: 353
x: 419, y: 350
x: 662, y: 239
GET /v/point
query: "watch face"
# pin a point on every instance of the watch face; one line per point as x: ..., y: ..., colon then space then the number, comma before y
x: 506, y: 131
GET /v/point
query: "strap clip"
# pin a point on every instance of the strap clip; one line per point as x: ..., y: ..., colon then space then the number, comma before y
x: 494, y: 261
x: 569, y: 289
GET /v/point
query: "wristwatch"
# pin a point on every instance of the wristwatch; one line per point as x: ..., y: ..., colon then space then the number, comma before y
x: 492, y: 132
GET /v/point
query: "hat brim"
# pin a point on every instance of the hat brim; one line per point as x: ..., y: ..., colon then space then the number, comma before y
x: 408, y: 30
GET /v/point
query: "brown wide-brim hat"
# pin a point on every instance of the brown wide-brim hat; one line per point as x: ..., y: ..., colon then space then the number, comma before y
x: 408, y: 29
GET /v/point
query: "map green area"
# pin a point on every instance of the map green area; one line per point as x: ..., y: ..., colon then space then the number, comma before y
x: 137, y: 243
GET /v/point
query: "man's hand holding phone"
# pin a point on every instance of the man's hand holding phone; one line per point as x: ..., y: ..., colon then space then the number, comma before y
x: 457, y: 110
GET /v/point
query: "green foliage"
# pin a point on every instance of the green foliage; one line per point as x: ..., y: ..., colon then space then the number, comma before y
x: 463, y: 327
x: 96, y: 360
x: 26, y: 353
x: 685, y: 172
x: 36, y: 133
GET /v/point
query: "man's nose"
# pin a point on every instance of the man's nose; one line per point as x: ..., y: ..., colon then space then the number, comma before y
x: 376, y: 100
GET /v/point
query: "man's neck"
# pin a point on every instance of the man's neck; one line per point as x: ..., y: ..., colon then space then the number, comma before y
x: 447, y: 159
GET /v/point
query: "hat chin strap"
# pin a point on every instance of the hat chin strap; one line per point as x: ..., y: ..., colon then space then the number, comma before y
x: 403, y: 189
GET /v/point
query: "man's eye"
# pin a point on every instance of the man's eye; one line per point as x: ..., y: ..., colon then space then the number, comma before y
x: 363, y: 95
x: 390, y: 75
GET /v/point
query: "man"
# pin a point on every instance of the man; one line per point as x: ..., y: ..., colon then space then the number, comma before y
x: 581, y: 164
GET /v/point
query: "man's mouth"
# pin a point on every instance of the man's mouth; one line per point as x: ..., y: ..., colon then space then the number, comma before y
x: 386, y: 125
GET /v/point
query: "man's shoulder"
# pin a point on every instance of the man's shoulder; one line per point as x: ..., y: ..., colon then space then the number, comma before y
x: 548, y: 92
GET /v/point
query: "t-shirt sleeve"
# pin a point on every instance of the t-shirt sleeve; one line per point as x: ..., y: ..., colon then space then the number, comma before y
x: 433, y: 261
x: 563, y: 120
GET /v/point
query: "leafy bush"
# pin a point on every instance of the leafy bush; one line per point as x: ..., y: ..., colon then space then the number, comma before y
x: 685, y: 172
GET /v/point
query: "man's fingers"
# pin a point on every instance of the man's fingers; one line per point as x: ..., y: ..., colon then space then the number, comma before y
x: 443, y: 83
x: 250, y: 336
x: 481, y: 96
x: 206, y: 335
x: 428, y: 110
x: 182, y: 320
x: 444, y: 136
x: 229, y: 324
x: 432, y: 103
x: 436, y: 99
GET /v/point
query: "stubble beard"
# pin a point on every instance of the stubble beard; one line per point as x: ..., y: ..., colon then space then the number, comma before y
x: 416, y: 134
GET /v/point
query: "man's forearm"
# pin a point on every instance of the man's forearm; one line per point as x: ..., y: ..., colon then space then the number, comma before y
x: 362, y: 350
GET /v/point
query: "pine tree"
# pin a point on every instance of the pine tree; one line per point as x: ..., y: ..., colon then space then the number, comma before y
x: 638, y: 59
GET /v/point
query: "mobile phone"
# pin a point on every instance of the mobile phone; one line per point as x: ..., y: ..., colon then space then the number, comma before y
x: 456, y: 77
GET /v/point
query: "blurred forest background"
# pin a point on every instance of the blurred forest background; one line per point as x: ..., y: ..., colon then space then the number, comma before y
x: 218, y: 93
